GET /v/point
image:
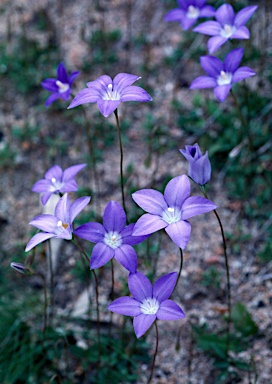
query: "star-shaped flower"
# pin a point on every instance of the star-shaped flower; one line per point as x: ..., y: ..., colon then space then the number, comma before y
x: 148, y: 303
x: 228, y: 26
x: 189, y: 12
x: 61, y: 86
x: 113, y: 238
x: 60, y: 224
x: 221, y: 75
x: 170, y: 211
x: 108, y: 93
x: 57, y: 181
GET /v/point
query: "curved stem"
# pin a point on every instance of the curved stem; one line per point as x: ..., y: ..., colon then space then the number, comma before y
x: 121, y: 160
x: 155, y: 353
x: 180, y: 267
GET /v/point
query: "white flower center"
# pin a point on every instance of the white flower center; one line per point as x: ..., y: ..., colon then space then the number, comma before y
x: 56, y: 184
x: 172, y: 215
x: 150, y: 306
x: 63, y: 87
x: 113, y: 239
x: 192, y: 12
x: 110, y: 94
x: 224, y: 78
x: 61, y: 226
x: 227, y: 31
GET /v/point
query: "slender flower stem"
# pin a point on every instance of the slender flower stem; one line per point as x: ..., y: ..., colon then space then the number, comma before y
x: 155, y: 353
x: 51, y: 281
x: 112, y: 281
x: 180, y: 267
x: 121, y: 160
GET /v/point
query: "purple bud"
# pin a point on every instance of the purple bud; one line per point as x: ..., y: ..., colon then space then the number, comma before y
x: 21, y: 268
x: 199, y: 165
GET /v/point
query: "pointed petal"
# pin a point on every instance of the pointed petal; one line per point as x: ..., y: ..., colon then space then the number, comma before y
x: 122, y: 81
x: 179, y: 233
x: 54, y: 172
x: 107, y: 107
x: 177, y: 191
x: 51, y: 99
x: 41, y: 186
x: 211, y: 65
x: 210, y: 28
x: 114, y: 218
x: 164, y: 286
x: 203, y: 82
x: 142, y: 323
x: 148, y: 224
x: 71, y: 172
x: 196, y: 205
x: 73, y: 76
x: 225, y: 14
x: 169, y: 310
x: 139, y: 286
x: 46, y: 197
x: 37, y: 239
x: 207, y: 11
x: 125, y: 306
x: 150, y: 201
x: 241, y: 33
x: 62, y: 210
x: 100, y: 84
x: 69, y: 186
x: 242, y: 73
x: 50, y: 85
x: 93, y: 232
x: 135, y: 93
x: 84, y: 96
x: 215, y: 42
x: 46, y: 223
x: 128, y: 238
x: 101, y: 254
x: 62, y: 74
x: 187, y: 23
x: 222, y: 91
x: 77, y: 206
x: 174, y: 15
x: 127, y: 257
x: 233, y: 59
x: 244, y: 15
x: 65, y: 95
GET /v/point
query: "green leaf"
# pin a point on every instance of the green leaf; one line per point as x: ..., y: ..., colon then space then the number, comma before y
x: 243, y: 321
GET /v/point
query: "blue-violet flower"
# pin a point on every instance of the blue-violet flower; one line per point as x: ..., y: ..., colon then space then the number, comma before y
x: 199, y: 165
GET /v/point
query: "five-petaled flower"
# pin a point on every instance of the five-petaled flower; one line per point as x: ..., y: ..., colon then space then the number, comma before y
x: 199, y: 165
x: 61, y: 86
x: 113, y: 238
x: 222, y: 74
x: 108, y: 93
x: 170, y: 211
x: 60, y: 224
x: 189, y: 12
x: 148, y: 303
x: 227, y: 26
x: 57, y: 181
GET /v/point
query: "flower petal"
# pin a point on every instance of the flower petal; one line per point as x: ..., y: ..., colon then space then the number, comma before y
x: 125, y: 306
x: 203, y: 82
x: 148, y: 224
x: 50, y: 85
x: 177, y: 191
x: 37, y: 239
x: 187, y: 23
x: 107, y: 107
x: 70, y: 172
x: 69, y: 186
x: 215, y: 42
x: 169, y: 310
x: 139, y: 286
x: 179, y: 233
x: 211, y: 65
x: 114, y: 218
x: 174, y: 15
x: 242, y: 73
x: 93, y: 232
x: 46, y: 197
x: 207, y: 11
x: 164, y: 286
x: 46, y: 223
x: 41, y: 186
x: 128, y: 238
x: 135, y: 93
x: 241, y: 33
x: 233, y: 59
x: 62, y: 210
x: 150, y: 200
x: 142, y: 323
x: 52, y: 98
x: 244, y: 15
x: 101, y: 254
x: 77, y: 206
x: 54, y: 172
x: 100, y: 84
x: 196, y: 205
x: 84, y: 96
x: 210, y: 28
x: 222, y: 91
x: 122, y: 81
x: 127, y: 257
x: 73, y: 76
x: 62, y: 74
x: 225, y: 14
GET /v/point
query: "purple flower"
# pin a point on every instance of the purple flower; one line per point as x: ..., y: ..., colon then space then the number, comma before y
x: 148, y: 303
x: 222, y: 74
x: 57, y: 181
x: 113, y: 238
x: 199, y: 166
x: 189, y: 11
x: 109, y: 94
x: 60, y: 87
x: 227, y: 26
x: 60, y: 224
x: 170, y: 211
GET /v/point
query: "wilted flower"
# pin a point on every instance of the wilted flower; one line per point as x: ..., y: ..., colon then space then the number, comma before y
x: 57, y: 181
x: 199, y: 165
x: 170, y: 211
x: 61, y: 86
x: 189, y: 12
x: 109, y: 94
x: 60, y: 224
x: 148, y: 303
x: 227, y: 26
x: 21, y: 268
x: 113, y: 238
x: 222, y: 74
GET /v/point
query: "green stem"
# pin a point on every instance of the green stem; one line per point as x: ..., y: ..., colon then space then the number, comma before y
x: 155, y: 353
x: 121, y: 160
x: 180, y: 267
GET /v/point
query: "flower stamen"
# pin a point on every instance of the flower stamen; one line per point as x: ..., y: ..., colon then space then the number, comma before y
x: 63, y: 87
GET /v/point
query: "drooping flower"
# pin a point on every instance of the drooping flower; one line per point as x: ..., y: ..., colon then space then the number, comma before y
x: 199, y: 165
x: 21, y: 268
x: 113, y: 238
x: 108, y: 93
x: 228, y: 26
x: 61, y: 86
x: 57, y: 181
x: 221, y: 75
x: 189, y: 12
x: 148, y: 303
x: 60, y: 224
x: 170, y: 211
